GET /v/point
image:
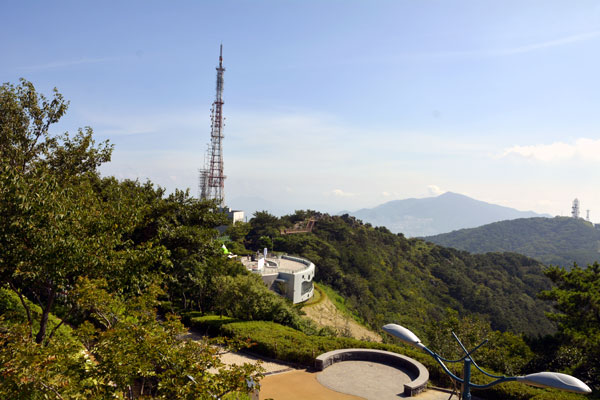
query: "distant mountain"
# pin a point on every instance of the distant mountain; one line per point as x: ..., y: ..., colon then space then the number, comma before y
x: 557, y: 241
x: 435, y: 215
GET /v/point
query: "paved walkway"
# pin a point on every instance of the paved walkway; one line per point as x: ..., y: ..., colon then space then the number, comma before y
x: 298, y: 385
x: 270, y: 367
x: 343, y: 381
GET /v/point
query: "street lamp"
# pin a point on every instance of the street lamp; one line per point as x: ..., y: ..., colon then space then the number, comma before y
x: 539, y: 379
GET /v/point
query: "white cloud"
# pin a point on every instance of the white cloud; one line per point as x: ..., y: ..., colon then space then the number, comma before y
x: 583, y: 149
x: 435, y: 190
x: 341, y: 193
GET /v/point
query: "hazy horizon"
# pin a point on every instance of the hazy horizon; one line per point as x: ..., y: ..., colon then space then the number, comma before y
x: 331, y: 105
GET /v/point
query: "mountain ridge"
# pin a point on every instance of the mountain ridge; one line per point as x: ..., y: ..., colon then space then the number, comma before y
x: 436, y: 215
x: 558, y: 241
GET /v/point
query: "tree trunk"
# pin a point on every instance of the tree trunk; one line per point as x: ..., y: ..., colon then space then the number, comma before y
x: 45, y: 313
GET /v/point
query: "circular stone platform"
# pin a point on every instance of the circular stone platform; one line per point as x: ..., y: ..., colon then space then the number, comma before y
x: 366, y: 379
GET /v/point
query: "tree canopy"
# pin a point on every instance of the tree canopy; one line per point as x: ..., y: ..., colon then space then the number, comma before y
x: 104, y: 256
x: 576, y: 299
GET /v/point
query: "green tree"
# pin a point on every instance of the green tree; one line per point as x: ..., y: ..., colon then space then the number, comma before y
x: 25, y: 139
x: 576, y: 298
x: 504, y: 352
x: 246, y: 297
x: 124, y: 352
x: 60, y: 222
x: 144, y: 356
x: 55, y: 224
x: 53, y: 231
x: 263, y: 225
x: 185, y: 227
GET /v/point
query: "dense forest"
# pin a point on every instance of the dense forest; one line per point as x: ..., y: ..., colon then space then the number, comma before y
x: 96, y: 275
x: 558, y: 241
x: 386, y: 277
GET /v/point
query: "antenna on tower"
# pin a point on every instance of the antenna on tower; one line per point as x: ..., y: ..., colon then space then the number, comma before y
x: 575, y: 209
x: 212, y: 179
x: 221, y: 56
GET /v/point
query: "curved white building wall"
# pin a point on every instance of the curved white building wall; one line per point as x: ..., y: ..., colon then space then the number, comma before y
x: 299, y: 283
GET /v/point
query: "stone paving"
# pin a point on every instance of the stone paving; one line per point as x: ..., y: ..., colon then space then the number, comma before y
x: 345, y: 380
x: 369, y: 380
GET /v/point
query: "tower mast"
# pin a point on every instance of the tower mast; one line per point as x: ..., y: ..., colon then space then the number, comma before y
x: 212, y: 178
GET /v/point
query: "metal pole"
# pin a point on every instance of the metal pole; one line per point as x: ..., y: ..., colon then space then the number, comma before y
x: 466, y: 386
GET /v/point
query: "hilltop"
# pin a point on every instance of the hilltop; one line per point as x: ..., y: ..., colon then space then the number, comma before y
x: 386, y: 277
x: 435, y: 215
x: 557, y: 241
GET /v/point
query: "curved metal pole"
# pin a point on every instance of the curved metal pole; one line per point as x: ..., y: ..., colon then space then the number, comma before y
x: 542, y: 379
x: 439, y: 360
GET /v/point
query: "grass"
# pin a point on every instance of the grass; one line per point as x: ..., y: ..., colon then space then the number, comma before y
x: 340, y: 303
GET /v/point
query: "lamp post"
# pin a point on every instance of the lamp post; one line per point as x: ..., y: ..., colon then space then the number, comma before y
x: 540, y: 379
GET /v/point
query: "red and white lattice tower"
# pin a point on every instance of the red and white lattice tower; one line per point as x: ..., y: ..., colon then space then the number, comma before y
x: 212, y: 179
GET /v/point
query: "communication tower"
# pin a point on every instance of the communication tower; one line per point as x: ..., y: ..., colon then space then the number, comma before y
x: 575, y: 209
x: 587, y: 215
x: 211, y: 179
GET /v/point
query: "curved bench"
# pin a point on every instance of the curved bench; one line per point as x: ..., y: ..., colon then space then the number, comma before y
x: 414, y: 369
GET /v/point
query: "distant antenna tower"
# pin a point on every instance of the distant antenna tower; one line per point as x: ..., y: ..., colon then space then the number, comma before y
x: 212, y: 179
x: 587, y: 216
x: 575, y: 209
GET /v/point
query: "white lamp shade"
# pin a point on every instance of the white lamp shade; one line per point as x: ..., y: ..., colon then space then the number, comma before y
x: 555, y: 380
x: 403, y: 334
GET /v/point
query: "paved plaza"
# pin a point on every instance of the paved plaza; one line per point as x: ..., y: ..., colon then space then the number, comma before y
x: 343, y: 381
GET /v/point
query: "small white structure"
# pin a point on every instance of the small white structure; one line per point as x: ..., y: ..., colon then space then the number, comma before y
x: 575, y: 209
x: 291, y: 277
x: 235, y: 215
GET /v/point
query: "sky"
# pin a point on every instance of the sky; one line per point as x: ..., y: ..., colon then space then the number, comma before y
x: 330, y: 104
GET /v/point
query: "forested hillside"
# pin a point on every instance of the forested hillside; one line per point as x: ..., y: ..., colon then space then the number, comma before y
x: 558, y: 241
x: 388, y: 278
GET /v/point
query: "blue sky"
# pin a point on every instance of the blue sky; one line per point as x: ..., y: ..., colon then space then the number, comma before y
x: 331, y: 105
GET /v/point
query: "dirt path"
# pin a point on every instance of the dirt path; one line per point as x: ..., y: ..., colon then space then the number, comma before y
x: 326, y: 314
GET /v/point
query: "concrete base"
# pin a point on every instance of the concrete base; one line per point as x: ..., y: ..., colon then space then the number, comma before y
x: 415, y: 372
